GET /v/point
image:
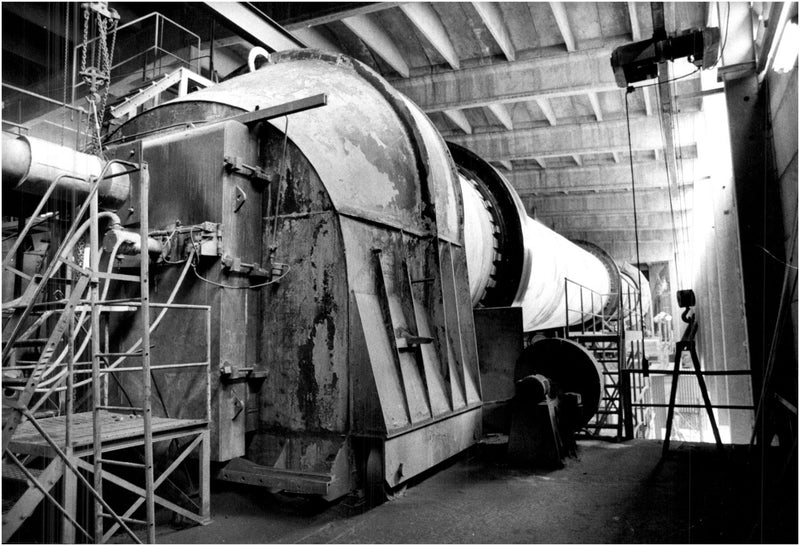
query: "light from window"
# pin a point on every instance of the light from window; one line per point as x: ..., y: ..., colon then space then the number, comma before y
x: 786, y: 55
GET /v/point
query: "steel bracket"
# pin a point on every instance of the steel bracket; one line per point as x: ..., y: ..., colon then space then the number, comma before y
x: 235, y: 164
x: 272, y: 270
x: 231, y: 374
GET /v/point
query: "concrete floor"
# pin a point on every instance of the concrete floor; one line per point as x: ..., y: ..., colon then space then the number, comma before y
x: 613, y: 492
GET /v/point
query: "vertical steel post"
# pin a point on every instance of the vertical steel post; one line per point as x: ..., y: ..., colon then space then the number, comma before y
x: 673, y: 391
x: 69, y: 496
x: 94, y: 266
x: 566, y: 307
x: 144, y: 283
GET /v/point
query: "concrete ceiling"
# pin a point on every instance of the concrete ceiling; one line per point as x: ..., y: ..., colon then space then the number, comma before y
x: 529, y: 87
x: 526, y: 85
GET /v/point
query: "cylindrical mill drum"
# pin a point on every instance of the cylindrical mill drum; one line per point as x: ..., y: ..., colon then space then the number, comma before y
x: 524, y: 263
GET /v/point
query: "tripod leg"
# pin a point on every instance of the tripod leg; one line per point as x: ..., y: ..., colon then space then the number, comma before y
x: 704, y: 391
x: 673, y: 391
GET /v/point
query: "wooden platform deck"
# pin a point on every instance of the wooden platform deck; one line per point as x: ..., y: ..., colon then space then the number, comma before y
x: 119, y: 431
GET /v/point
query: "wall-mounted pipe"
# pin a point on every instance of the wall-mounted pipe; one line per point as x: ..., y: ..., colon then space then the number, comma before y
x: 31, y: 164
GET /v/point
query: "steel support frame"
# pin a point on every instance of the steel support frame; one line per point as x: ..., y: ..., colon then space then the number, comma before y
x: 66, y: 459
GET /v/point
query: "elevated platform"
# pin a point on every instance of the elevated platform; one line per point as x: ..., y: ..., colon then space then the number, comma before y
x: 119, y: 431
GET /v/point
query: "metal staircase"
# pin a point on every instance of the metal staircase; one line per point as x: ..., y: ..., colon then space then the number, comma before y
x: 606, y: 336
x: 40, y: 448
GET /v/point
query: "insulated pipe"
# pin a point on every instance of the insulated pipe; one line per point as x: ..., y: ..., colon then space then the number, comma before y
x: 31, y: 164
x: 524, y: 263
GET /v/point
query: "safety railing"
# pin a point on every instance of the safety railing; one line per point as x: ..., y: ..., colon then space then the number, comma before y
x: 690, y: 422
x: 160, y: 44
x: 587, y: 315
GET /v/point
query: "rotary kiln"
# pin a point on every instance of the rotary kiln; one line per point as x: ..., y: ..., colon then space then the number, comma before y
x: 342, y: 249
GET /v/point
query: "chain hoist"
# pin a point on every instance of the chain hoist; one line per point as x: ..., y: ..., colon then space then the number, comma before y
x: 98, y: 78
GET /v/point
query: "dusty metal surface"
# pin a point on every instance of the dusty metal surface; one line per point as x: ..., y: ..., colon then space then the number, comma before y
x: 370, y: 334
x: 190, y: 186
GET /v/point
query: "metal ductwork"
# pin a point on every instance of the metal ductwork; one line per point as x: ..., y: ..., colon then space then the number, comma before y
x: 31, y: 165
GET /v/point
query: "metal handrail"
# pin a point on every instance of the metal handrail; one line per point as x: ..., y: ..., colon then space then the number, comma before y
x: 160, y: 19
x: 586, y: 315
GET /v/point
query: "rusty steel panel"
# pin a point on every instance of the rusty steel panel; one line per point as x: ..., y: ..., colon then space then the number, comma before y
x: 458, y: 322
x: 305, y: 320
x: 442, y: 183
x: 407, y: 455
x: 411, y: 385
x: 381, y: 357
x: 372, y: 173
x: 437, y: 391
x: 189, y: 184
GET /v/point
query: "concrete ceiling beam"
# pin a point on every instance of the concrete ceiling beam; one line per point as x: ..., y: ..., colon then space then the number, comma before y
x: 651, y: 174
x: 492, y: 17
x: 539, y: 161
x: 458, y: 117
x: 429, y: 25
x: 372, y: 34
x: 636, y: 31
x: 519, y: 81
x: 650, y: 200
x: 506, y: 165
x: 562, y: 21
x: 232, y: 41
x: 255, y: 26
x: 359, y: 9
x: 609, y: 220
x: 648, y: 104
x: 500, y: 111
x: 314, y: 38
x: 594, y: 100
x: 547, y: 110
x: 566, y: 140
x: 623, y: 235
x: 646, y: 253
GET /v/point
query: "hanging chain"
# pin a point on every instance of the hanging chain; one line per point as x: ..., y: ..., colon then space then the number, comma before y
x: 85, y: 38
x: 66, y: 69
x: 108, y: 60
x: 98, y: 77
